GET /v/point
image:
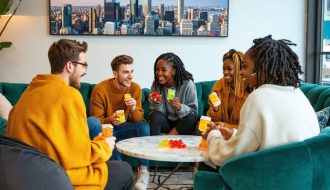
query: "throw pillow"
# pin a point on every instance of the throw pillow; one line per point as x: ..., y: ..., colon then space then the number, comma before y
x: 323, y: 117
x: 5, y: 107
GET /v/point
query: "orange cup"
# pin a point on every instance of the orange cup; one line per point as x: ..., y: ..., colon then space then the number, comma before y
x: 107, y: 130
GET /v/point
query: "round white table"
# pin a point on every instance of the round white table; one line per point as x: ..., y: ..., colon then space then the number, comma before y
x: 147, y: 148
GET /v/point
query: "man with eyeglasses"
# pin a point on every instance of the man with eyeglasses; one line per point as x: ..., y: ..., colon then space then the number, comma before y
x: 120, y: 93
x: 51, y: 116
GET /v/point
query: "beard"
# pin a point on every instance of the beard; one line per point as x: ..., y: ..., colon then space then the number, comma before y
x: 74, y: 80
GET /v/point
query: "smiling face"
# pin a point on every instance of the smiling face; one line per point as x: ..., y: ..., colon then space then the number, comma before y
x: 124, y: 75
x: 228, y: 70
x: 247, y: 70
x: 165, y: 73
x: 78, y: 72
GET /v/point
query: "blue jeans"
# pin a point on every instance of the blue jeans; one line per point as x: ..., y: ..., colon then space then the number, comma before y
x: 94, y: 127
x: 124, y: 131
x: 129, y: 130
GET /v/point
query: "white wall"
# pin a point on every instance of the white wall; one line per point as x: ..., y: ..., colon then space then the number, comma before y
x: 248, y: 19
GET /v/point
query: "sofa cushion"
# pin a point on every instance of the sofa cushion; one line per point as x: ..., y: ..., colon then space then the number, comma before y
x: 323, y: 117
x: 5, y: 107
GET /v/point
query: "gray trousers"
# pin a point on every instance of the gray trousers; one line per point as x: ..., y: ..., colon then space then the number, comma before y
x: 120, y: 176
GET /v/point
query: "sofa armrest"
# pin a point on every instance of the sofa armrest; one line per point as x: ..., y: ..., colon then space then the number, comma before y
x: 208, y: 180
x: 283, y: 167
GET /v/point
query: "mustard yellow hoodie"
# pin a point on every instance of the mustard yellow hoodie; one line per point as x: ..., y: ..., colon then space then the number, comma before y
x: 51, y: 116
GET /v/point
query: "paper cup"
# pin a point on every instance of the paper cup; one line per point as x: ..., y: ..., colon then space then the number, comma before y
x: 121, y: 116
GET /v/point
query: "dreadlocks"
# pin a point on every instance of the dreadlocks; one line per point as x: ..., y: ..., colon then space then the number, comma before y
x: 276, y: 60
x: 181, y: 73
x: 236, y: 57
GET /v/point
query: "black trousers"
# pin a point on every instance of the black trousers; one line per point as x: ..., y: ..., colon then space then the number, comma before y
x: 159, y: 123
x: 120, y: 176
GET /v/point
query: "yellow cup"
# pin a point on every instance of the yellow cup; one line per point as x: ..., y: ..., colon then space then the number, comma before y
x: 121, y: 116
x: 127, y: 97
x: 203, y: 123
x: 214, y: 99
x: 107, y: 130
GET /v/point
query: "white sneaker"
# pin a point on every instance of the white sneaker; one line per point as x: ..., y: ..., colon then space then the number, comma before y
x: 142, y: 180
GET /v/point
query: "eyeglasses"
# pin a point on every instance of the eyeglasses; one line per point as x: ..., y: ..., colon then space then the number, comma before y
x: 83, y: 64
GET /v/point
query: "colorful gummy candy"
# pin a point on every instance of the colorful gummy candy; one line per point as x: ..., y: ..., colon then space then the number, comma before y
x: 171, y: 143
x: 155, y: 96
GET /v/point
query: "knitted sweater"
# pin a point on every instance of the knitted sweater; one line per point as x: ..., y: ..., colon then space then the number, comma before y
x: 223, y: 91
x: 106, y: 99
x: 187, y: 95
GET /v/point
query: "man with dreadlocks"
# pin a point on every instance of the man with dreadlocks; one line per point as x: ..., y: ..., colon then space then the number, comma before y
x: 275, y: 113
x: 178, y: 115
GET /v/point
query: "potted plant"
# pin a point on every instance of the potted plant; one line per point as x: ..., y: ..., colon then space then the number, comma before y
x: 4, y: 9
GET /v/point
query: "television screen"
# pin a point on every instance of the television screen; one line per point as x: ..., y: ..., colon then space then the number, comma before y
x: 139, y: 17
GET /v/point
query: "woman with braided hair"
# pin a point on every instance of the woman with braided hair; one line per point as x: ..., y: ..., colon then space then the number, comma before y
x: 231, y: 91
x: 275, y: 113
x: 175, y: 112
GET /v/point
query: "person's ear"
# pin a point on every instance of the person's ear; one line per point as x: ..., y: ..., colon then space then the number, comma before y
x: 173, y: 72
x: 114, y: 73
x: 69, y: 66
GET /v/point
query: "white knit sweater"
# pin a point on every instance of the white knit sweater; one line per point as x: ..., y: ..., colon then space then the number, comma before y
x: 271, y: 116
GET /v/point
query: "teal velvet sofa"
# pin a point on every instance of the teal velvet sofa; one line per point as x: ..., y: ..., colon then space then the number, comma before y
x: 296, y: 166
x: 12, y: 91
x: 318, y: 95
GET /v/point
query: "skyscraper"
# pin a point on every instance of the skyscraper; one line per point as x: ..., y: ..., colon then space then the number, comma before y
x: 161, y: 10
x: 91, y: 20
x: 66, y: 15
x: 134, y: 7
x: 149, y: 27
x: 111, y: 11
x: 180, y: 10
x: 186, y: 27
x: 146, y: 7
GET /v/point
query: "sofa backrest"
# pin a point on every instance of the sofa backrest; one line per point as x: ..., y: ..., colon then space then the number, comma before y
x: 318, y: 95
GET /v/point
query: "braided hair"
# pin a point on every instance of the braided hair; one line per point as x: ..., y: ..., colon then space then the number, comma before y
x: 236, y: 57
x: 276, y: 60
x: 181, y: 73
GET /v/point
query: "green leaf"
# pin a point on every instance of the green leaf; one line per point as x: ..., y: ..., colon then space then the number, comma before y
x: 5, y: 6
x: 5, y: 45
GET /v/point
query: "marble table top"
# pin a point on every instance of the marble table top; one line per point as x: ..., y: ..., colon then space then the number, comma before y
x: 147, y: 148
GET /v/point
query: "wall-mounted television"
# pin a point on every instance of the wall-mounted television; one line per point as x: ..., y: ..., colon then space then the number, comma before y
x: 208, y: 18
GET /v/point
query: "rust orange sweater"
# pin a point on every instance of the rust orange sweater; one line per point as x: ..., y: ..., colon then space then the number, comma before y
x: 223, y: 91
x: 51, y: 116
x: 107, y: 99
